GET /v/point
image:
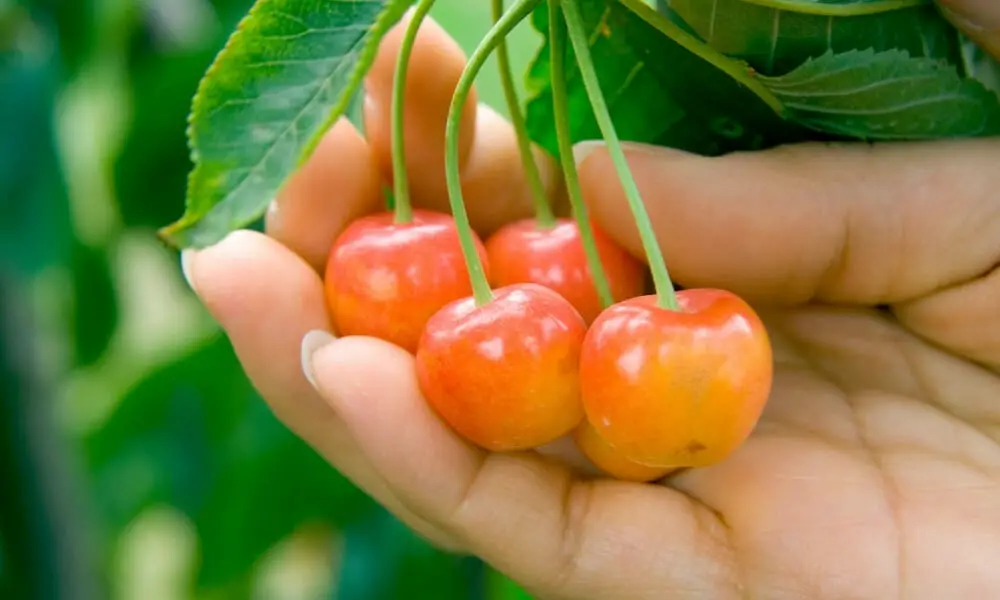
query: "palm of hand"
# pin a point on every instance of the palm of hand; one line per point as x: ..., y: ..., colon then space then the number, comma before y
x: 876, y: 452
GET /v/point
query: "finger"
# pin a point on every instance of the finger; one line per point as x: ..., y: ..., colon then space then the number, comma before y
x: 964, y: 318
x: 338, y: 183
x: 979, y: 19
x: 266, y: 299
x: 835, y: 223
x: 436, y: 64
x: 527, y: 516
x: 494, y: 183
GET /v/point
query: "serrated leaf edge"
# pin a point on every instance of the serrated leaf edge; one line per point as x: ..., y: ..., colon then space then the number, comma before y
x: 392, y: 13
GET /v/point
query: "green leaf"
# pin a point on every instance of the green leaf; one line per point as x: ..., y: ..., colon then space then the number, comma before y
x: 776, y: 36
x: 978, y: 64
x: 886, y: 95
x: 648, y: 67
x: 290, y: 69
x: 95, y: 303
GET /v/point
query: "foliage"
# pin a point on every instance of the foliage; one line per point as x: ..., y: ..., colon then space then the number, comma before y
x: 153, y: 406
x: 708, y: 77
x: 151, y: 414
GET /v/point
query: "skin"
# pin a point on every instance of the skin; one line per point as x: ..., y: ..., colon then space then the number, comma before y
x: 610, y: 461
x: 678, y: 388
x: 521, y: 252
x: 874, y: 471
x: 386, y: 279
x: 505, y: 375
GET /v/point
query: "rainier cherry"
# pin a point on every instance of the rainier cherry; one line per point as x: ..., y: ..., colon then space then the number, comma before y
x: 610, y: 460
x: 528, y: 252
x: 680, y: 388
x: 385, y: 279
x: 505, y: 375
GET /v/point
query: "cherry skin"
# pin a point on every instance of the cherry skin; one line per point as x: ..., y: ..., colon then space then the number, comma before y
x: 609, y: 460
x: 676, y: 388
x: 523, y: 252
x: 505, y: 375
x: 385, y: 279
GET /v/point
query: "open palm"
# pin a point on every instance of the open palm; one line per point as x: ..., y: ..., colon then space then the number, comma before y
x: 875, y: 470
x: 874, y: 473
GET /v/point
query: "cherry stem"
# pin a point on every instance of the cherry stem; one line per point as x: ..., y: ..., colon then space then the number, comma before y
x: 560, y: 109
x: 543, y: 211
x: 522, y: 8
x: 401, y: 184
x: 665, y: 292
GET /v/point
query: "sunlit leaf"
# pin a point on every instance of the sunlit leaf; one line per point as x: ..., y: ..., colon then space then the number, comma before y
x: 290, y: 69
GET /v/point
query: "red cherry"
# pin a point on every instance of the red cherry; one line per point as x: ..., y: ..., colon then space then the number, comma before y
x: 676, y: 388
x: 505, y: 375
x: 386, y: 279
x: 523, y: 252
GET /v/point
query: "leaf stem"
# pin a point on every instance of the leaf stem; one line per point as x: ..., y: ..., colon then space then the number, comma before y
x: 666, y: 295
x: 543, y: 210
x: 522, y: 8
x: 560, y: 110
x: 401, y: 184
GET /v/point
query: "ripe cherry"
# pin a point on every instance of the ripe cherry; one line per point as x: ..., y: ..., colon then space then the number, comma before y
x: 609, y: 460
x: 526, y: 252
x: 505, y: 375
x: 678, y: 388
x: 386, y: 279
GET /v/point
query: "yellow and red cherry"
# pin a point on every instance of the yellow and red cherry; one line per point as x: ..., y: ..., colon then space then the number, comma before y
x: 386, y: 279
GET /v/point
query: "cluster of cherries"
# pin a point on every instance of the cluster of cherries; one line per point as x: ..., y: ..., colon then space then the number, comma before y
x: 515, y: 345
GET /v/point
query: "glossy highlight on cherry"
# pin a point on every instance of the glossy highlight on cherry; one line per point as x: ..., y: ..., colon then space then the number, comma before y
x: 678, y: 388
x: 526, y: 252
x: 386, y: 279
x: 505, y: 375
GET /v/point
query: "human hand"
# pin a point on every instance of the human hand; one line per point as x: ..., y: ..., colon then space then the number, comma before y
x: 875, y: 469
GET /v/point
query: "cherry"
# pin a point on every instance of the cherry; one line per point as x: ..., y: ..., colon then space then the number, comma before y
x: 527, y: 252
x: 386, y: 279
x: 676, y: 388
x: 607, y: 459
x: 505, y: 374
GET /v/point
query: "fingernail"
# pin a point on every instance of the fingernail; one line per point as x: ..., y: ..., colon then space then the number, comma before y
x: 187, y: 266
x: 312, y: 342
x: 583, y: 149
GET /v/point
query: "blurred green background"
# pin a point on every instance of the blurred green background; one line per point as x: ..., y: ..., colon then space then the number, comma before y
x: 136, y: 462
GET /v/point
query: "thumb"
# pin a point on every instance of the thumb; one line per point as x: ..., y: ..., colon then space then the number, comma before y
x: 847, y: 223
x: 979, y: 19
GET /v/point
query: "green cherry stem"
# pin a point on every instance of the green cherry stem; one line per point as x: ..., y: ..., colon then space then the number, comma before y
x: 480, y: 286
x: 560, y: 110
x: 401, y: 184
x: 666, y: 295
x: 543, y: 211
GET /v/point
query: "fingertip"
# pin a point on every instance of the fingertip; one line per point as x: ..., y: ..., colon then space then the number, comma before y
x: 339, y: 183
x: 436, y: 64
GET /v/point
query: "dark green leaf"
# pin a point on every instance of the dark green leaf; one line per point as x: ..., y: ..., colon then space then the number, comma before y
x: 648, y: 67
x: 978, y: 64
x: 95, y: 303
x: 886, y: 95
x: 35, y: 229
x: 288, y: 71
x: 777, y: 40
